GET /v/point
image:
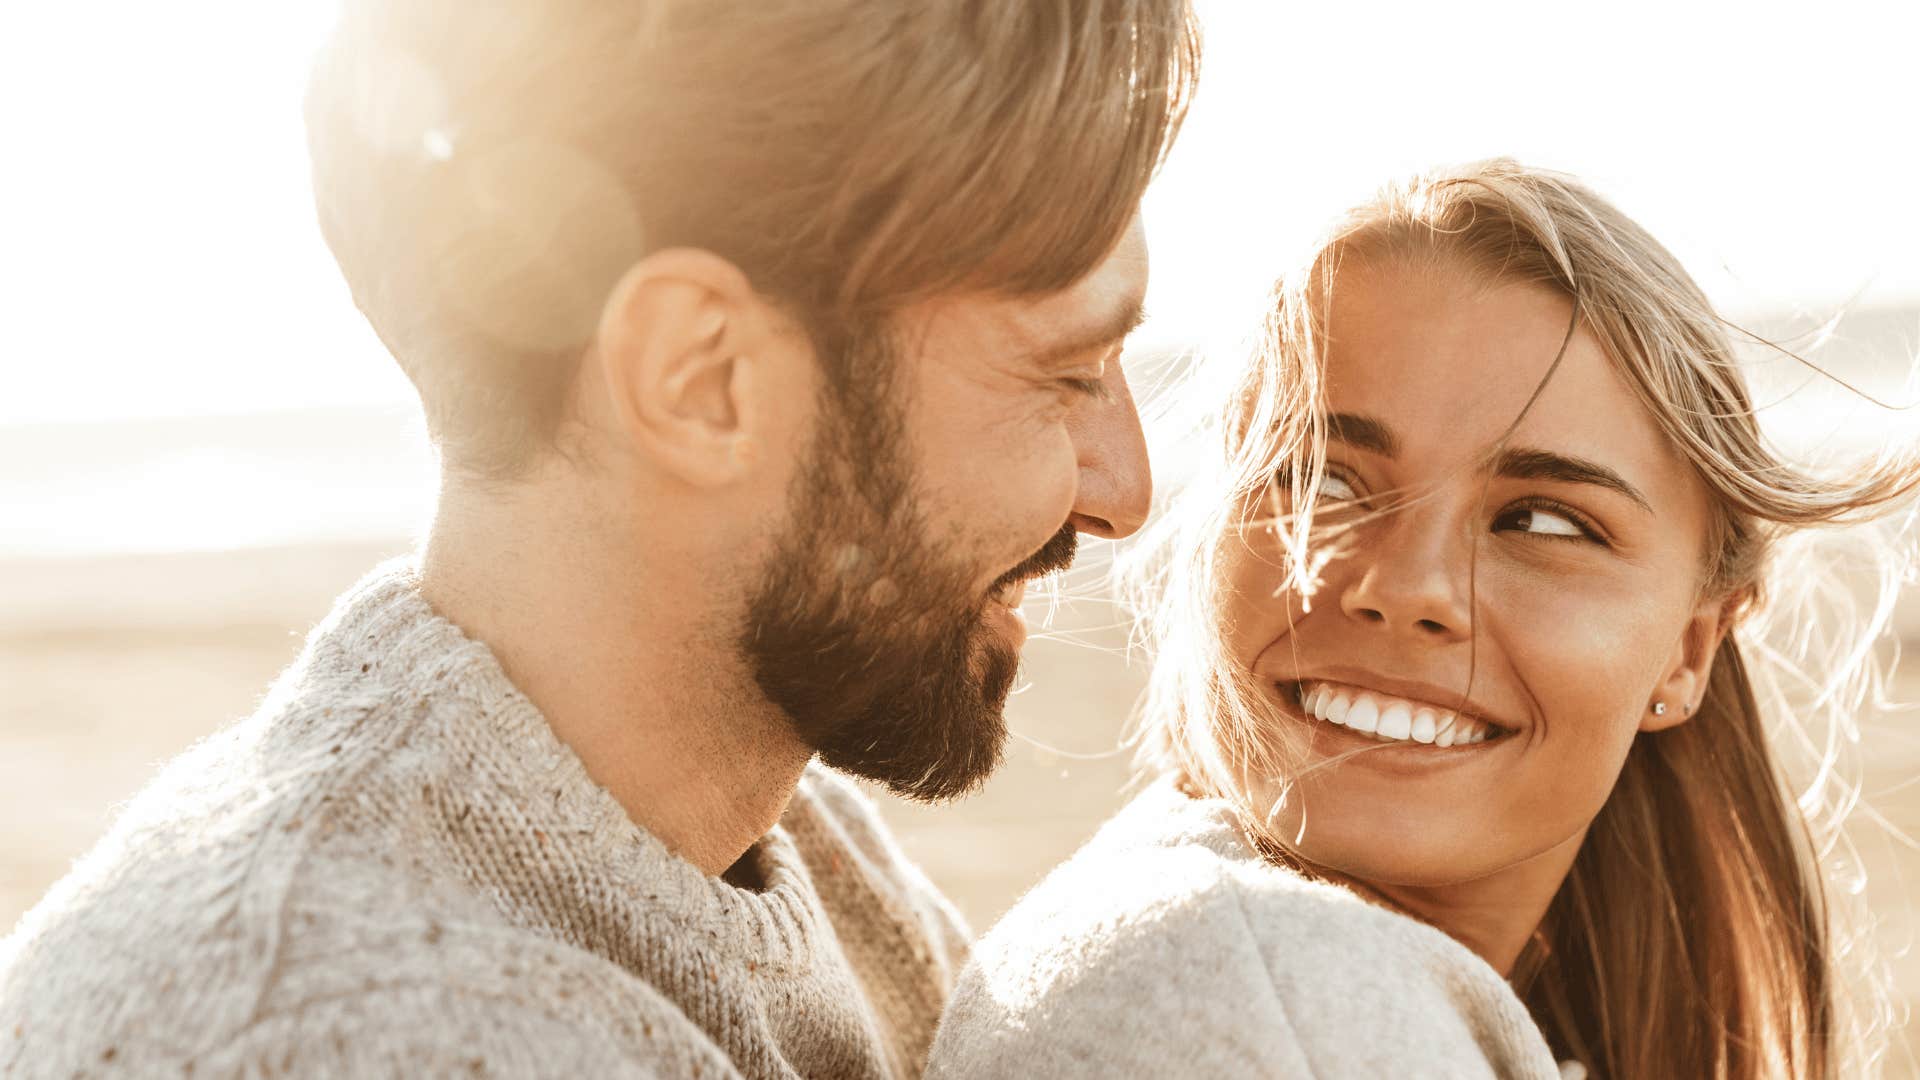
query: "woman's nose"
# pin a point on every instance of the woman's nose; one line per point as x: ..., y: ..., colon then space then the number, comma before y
x: 1408, y: 573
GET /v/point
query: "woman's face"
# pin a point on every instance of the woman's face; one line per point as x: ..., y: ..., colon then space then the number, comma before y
x: 1548, y: 591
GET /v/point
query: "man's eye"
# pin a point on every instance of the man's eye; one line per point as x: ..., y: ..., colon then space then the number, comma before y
x: 1092, y: 388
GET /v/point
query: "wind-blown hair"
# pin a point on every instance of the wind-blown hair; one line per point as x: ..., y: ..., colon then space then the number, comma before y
x: 485, y: 172
x: 1695, y: 935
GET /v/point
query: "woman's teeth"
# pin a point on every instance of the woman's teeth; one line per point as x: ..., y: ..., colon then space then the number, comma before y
x: 1390, y: 718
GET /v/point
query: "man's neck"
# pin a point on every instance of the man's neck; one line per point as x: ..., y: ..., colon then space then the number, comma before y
x: 626, y: 655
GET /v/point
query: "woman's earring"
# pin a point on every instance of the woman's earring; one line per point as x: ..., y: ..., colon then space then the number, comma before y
x: 1659, y: 708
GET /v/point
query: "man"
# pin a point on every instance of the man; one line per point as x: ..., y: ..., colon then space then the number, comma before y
x: 770, y: 347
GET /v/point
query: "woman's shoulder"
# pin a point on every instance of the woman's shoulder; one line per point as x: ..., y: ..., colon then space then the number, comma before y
x: 1174, y: 866
x: 1166, y: 942
x: 1171, y: 875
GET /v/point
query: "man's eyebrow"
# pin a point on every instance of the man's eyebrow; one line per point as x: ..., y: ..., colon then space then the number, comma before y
x: 1111, y: 331
x: 1521, y: 463
x: 1363, y: 433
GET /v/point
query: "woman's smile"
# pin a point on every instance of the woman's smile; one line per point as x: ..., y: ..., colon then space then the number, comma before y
x: 1368, y: 728
x: 1388, y: 718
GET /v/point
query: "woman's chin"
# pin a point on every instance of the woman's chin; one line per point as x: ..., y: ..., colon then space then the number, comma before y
x: 1388, y: 854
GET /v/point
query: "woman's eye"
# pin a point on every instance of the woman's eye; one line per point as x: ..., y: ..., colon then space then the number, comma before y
x: 1540, y: 521
x: 1334, y: 489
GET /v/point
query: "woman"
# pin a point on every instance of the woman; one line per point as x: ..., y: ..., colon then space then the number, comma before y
x: 1461, y: 769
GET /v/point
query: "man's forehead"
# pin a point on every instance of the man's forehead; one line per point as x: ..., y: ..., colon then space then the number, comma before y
x: 1103, y: 306
x: 1099, y: 308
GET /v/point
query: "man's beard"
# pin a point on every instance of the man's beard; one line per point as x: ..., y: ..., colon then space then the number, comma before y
x: 872, y: 643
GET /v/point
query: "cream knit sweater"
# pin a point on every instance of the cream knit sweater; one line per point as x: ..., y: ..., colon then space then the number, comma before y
x: 395, y: 869
x: 1167, y: 947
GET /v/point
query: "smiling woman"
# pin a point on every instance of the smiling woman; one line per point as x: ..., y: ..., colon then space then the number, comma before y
x: 1455, y: 740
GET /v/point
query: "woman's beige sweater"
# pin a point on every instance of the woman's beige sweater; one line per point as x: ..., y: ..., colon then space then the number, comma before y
x: 395, y: 869
x: 1168, y: 947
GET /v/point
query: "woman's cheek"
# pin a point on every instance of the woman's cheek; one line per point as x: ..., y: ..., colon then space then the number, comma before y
x: 1253, y: 613
x: 1583, y: 644
x: 1587, y: 671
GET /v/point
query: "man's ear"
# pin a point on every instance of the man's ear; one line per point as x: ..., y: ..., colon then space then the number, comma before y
x: 1685, y: 682
x: 681, y: 344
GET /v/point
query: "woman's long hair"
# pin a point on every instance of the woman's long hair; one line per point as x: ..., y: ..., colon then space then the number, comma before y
x: 1695, y: 935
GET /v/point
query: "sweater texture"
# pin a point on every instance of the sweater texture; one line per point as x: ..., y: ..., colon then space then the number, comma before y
x: 394, y: 868
x: 1168, y: 947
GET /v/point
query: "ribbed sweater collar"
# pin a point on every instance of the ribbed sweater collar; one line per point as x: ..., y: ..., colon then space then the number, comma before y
x: 385, y: 639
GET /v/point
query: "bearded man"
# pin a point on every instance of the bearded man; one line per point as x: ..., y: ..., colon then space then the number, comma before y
x: 770, y: 347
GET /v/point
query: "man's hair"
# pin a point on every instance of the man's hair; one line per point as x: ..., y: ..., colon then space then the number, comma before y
x: 486, y: 172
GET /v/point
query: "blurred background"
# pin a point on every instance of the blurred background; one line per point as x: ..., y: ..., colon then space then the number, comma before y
x: 201, y: 443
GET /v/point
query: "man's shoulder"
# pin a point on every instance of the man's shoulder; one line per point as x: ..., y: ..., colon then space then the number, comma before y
x: 442, y: 1028
x: 283, y: 868
x: 245, y: 927
x: 194, y: 886
x: 387, y: 1025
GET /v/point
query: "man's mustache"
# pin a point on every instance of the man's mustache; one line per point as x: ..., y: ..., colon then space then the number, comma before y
x: 1057, y: 554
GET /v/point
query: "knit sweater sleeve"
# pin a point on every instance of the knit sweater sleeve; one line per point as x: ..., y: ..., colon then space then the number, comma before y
x: 1180, y: 989
x: 441, y: 1032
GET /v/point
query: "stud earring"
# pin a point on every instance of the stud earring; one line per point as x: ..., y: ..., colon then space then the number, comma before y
x: 1659, y: 708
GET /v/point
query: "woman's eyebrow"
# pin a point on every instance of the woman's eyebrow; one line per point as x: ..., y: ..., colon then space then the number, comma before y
x: 1363, y: 433
x: 1517, y: 463
x: 1522, y: 463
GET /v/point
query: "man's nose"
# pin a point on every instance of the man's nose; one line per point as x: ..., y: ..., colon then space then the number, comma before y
x: 1116, y: 482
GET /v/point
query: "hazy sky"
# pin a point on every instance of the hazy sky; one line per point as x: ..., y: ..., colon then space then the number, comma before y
x: 160, y: 258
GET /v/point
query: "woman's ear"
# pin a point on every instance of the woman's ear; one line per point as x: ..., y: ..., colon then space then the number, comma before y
x: 1685, y: 682
x: 681, y: 344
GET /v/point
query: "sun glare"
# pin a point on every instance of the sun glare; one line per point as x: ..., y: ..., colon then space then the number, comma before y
x: 163, y: 259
